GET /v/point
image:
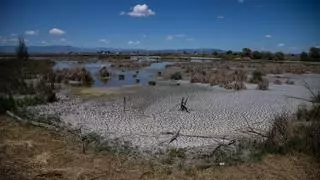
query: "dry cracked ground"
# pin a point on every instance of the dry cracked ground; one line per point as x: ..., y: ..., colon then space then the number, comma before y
x: 28, y: 152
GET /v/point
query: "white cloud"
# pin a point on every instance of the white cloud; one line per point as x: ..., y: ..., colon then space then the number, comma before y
x: 104, y: 41
x: 268, y: 36
x: 31, y: 32
x: 56, y: 31
x: 134, y: 43
x: 280, y: 44
x: 220, y: 17
x: 140, y: 11
x: 180, y: 35
x: 171, y: 37
x: 122, y: 13
x: 240, y: 1
x: 189, y: 39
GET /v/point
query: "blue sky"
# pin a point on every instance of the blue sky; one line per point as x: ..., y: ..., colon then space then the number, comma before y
x: 286, y: 25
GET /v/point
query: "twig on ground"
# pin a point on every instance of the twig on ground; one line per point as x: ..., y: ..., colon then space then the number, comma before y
x: 252, y: 130
x: 175, y: 136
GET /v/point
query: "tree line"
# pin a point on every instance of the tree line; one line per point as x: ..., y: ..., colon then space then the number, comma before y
x: 312, y: 55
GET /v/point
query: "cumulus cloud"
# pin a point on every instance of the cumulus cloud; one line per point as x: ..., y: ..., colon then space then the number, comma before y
x: 104, y: 41
x: 280, y: 44
x: 220, y: 17
x: 268, y: 36
x: 140, y: 11
x: 31, y: 32
x: 122, y: 13
x: 240, y: 1
x: 134, y: 42
x: 56, y: 31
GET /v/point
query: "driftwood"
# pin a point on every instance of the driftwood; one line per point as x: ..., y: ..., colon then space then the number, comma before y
x: 195, y: 136
x: 175, y: 136
x: 252, y: 130
x: 222, y: 145
x: 124, y: 104
x: 183, y: 105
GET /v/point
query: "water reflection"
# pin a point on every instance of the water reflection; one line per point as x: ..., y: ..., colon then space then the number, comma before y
x: 117, y: 77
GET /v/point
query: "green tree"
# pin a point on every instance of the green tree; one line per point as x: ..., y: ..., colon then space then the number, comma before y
x: 247, y: 52
x: 314, y: 53
x: 257, y: 55
x: 229, y: 52
x: 215, y: 53
x: 279, y: 56
x: 304, y: 56
x: 22, y: 50
x: 267, y: 55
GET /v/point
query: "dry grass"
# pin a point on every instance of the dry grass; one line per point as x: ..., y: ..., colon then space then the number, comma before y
x: 229, y: 79
x: 29, y: 152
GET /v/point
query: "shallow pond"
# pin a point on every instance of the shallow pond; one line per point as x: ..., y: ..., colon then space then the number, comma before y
x: 145, y: 74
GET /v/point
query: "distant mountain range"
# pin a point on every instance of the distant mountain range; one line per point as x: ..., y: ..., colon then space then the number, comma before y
x: 67, y: 49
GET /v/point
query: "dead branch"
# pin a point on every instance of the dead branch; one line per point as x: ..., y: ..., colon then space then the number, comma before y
x: 175, y: 136
x: 307, y: 86
x: 188, y: 135
x: 222, y: 145
x: 252, y: 130
x: 183, y: 105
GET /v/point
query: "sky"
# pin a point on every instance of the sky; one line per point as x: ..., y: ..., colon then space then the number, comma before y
x: 268, y: 25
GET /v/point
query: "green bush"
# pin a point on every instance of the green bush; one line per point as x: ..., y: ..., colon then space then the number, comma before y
x: 7, y: 103
x: 152, y: 83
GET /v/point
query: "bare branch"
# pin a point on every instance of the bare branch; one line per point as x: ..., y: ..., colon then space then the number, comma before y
x: 175, y: 136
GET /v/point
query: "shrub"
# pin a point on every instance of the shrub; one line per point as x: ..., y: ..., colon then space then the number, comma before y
x: 304, y: 114
x: 152, y: 83
x: 22, y: 50
x: 104, y: 72
x: 7, y: 103
x: 290, y: 82
x: 263, y: 84
x: 121, y: 76
x: 278, y: 134
x: 236, y: 85
x: 256, y: 76
x: 285, y: 135
x: 277, y: 81
x: 176, y: 76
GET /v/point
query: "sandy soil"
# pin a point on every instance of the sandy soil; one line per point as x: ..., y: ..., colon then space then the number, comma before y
x: 29, y: 152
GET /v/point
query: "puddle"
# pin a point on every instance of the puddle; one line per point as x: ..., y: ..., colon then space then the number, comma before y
x: 145, y: 74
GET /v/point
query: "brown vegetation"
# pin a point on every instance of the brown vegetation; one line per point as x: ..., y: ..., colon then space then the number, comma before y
x: 29, y: 152
x: 229, y: 79
x: 80, y: 75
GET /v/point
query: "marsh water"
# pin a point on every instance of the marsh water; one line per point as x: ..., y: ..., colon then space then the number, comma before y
x: 144, y: 74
